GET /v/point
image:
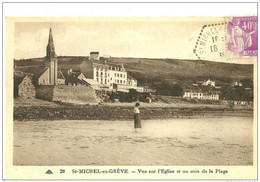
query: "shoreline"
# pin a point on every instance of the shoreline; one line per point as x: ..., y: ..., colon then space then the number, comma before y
x: 105, y: 112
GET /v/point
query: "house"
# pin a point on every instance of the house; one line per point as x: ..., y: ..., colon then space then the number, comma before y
x: 209, y: 83
x: 23, y: 87
x: 108, y: 76
x: 237, y: 84
x: 94, y: 56
x: 243, y: 103
x: 117, y: 75
x: 131, y: 81
x: 197, y: 94
x: 149, y: 90
x: 73, y: 78
x: 193, y: 94
x: 208, y: 96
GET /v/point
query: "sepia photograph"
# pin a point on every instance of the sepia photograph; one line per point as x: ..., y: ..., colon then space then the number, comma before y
x: 137, y: 91
x: 132, y: 93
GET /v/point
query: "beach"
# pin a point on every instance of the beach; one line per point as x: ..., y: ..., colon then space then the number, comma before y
x: 226, y: 140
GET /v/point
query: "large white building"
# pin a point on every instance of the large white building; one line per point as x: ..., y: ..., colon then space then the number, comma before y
x: 200, y: 95
x: 108, y: 76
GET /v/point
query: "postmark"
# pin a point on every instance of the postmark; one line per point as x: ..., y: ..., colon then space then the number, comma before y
x: 234, y: 38
x: 211, y: 42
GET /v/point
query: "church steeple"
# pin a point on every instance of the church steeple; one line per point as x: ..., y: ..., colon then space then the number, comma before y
x: 50, y: 49
x: 51, y: 61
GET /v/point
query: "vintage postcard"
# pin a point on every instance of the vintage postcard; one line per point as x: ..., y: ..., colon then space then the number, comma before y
x: 131, y: 98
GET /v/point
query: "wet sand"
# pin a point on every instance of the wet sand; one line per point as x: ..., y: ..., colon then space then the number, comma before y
x: 205, y: 141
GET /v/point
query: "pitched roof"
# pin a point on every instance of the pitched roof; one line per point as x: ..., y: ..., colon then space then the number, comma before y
x: 130, y: 77
x: 37, y: 75
x: 19, y: 77
x: 18, y: 80
x: 40, y: 72
x: 94, y: 52
x: 91, y: 81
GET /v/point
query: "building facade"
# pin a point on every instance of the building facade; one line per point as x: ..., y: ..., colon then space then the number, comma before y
x: 108, y: 75
x: 200, y: 95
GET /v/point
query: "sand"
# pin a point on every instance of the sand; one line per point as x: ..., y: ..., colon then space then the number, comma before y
x: 205, y: 141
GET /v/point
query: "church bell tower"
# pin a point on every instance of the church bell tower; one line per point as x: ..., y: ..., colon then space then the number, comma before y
x: 51, y: 61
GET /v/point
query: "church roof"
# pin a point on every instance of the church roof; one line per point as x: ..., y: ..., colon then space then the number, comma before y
x: 50, y: 47
x: 40, y: 72
x: 50, y: 41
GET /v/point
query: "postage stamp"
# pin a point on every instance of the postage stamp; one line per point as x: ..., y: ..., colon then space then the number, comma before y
x: 242, y: 32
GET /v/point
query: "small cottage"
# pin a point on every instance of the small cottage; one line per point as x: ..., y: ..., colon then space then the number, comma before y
x: 23, y: 87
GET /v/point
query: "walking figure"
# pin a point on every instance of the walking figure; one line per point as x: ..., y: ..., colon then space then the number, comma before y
x: 137, y: 121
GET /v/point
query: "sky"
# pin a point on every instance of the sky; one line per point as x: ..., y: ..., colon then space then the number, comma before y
x: 166, y: 39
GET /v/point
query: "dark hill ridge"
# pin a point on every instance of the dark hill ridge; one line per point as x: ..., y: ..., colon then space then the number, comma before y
x: 156, y: 70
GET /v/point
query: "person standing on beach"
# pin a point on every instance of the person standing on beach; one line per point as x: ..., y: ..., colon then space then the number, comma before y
x: 137, y: 121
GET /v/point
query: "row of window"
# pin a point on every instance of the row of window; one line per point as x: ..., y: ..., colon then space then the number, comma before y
x: 101, y: 74
x: 119, y: 75
x: 119, y: 81
x: 107, y: 81
x: 199, y: 94
x: 107, y: 74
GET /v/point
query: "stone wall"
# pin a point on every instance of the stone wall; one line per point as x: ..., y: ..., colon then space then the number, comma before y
x: 67, y: 94
x: 45, y: 92
x: 79, y: 94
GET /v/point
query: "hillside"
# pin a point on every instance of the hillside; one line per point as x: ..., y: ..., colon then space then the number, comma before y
x: 156, y: 70
x: 184, y: 71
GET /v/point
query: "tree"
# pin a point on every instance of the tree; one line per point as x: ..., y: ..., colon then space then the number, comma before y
x: 165, y: 88
x: 247, y: 83
x: 177, y: 90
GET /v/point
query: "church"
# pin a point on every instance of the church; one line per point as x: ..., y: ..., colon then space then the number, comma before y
x: 50, y: 75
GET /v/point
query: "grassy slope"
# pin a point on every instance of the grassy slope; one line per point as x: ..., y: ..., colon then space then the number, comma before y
x: 171, y: 70
x: 184, y: 71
